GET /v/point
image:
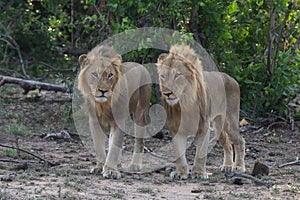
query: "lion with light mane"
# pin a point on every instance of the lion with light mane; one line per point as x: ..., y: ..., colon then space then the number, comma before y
x: 197, y: 102
x: 114, y: 90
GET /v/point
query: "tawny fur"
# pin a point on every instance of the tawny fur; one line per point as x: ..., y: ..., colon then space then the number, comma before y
x: 98, y: 64
x: 205, y: 99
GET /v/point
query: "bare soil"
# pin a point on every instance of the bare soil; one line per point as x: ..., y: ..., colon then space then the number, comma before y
x: 25, y: 120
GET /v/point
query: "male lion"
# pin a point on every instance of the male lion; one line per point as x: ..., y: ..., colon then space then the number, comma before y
x: 114, y: 90
x: 195, y: 101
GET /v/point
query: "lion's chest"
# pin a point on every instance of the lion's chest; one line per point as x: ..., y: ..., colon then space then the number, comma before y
x: 182, y: 121
x: 104, y: 115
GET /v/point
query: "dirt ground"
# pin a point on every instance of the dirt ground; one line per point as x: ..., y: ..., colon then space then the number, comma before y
x: 26, y: 120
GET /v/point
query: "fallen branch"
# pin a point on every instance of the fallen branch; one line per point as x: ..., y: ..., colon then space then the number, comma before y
x: 64, y: 134
x: 28, y: 85
x: 296, y: 162
x: 257, y: 181
x: 38, y: 157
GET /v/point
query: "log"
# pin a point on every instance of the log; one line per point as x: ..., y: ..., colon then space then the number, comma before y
x: 28, y: 85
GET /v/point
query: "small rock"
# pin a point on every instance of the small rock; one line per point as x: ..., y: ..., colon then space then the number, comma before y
x: 22, y: 166
x: 237, y: 180
x: 7, y: 178
x: 260, y: 169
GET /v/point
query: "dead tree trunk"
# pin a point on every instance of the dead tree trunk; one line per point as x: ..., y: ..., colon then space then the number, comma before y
x: 28, y: 85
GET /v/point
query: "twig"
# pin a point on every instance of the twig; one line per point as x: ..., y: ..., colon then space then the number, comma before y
x: 277, y: 40
x: 257, y: 181
x: 271, y: 40
x: 55, y: 69
x: 276, y: 123
x: 274, y: 117
x: 38, y: 157
x: 258, y: 130
x: 296, y: 162
x: 295, y: 47
x: 17, y: 161
x: 291, y: 118
x: 9, y: 71
x: 153, y: 154
x: 69, y: 50
x: 12, y: 43
x: 267, y: 134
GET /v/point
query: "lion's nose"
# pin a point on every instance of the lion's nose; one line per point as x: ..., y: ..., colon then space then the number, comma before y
x: 103, y: 90
x: 167, y: 93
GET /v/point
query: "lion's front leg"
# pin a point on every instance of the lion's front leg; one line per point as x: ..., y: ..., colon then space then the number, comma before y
x: 110, y: 169
x: 199, y: 167
x: 99, y: 139
x: 182, y: 169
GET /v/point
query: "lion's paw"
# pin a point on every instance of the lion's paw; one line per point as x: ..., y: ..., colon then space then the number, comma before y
x: 112, y: 173
x: 226, y: 168
x: 239, y: 168
x: 97, y: 169
x: 135, y: 167
x: 181, y: 174
x: 199, y: 175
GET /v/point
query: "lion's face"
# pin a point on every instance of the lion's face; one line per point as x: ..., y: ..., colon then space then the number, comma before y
x: 175, y: 79
x: 101, y: 75
x: 102, y: 83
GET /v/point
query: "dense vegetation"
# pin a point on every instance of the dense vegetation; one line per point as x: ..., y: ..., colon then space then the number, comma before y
x: 255, y: 41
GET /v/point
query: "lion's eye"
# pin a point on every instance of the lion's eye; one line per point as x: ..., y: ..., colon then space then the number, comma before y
x: 162, y: 77
x: 95, y: 75
x: 177, y: 75
x: 110, y: 76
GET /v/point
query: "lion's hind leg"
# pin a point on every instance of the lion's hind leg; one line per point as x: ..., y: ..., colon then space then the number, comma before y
x: 138, y: 150
x: 239, y: 147
x: 221, y: 126
x: 239, y: 150
x: 228, y: 152
x: 140, y: 119
x: 232, y: 118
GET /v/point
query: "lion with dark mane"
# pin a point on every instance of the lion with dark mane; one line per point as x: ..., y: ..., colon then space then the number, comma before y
x: 114, y: 90
x: 197, y: 102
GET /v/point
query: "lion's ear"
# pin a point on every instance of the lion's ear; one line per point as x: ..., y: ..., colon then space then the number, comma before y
x: 191, y: 60
x: 82, y: 60
x: 195, y: 60
x: 116, y: 61
x: 161, y: 58
x: 189, y: 65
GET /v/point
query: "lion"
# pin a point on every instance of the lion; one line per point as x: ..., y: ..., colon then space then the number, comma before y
x: 198, y: 102
x: 112, y: 91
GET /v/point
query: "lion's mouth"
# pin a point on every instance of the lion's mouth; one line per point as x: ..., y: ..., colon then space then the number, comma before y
x: 172, y: 101
x: 101, y: 99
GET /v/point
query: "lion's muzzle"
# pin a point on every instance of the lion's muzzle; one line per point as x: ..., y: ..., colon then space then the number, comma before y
x: 170, y: 97
x: 101, y: 95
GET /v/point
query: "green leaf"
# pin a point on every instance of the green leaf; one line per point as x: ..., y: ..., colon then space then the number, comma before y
x: 232, y: 8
